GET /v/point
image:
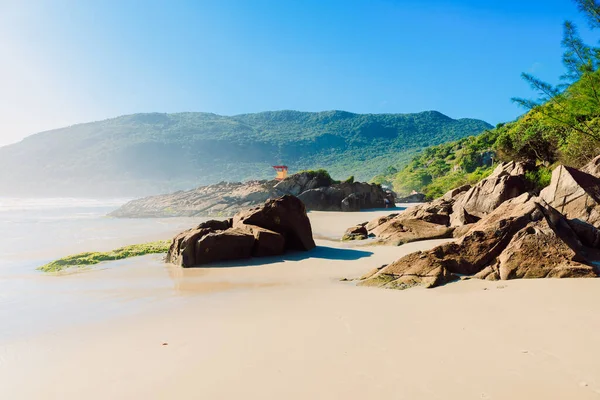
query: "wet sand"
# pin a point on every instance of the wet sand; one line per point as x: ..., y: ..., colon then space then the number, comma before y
x: 287, y: 328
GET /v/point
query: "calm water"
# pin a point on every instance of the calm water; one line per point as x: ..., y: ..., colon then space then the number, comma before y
x: 35, y: 231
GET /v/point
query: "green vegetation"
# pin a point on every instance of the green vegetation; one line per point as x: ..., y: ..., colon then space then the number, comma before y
x: 350, y: 179
x: 159, y: 153
x: 86, y: 259
x: 562, y: 126
x: 320, y: 174
x: 440, y: 168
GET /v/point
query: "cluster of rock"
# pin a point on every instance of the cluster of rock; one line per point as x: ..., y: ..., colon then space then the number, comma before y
x: 272, y: 229
x: 504, y: 231
x: 225, y: 199
x: 447, y: 216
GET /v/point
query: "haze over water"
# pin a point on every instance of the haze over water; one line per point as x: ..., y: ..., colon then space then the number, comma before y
x: 36, y: 231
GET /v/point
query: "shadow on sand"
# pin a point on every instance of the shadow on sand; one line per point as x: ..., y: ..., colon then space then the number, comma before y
x: 319, y: 252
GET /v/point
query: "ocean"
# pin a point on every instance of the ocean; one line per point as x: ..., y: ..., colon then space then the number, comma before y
x: 36, y: 231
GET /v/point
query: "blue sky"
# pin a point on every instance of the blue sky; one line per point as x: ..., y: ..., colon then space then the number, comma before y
x: 65, y: 62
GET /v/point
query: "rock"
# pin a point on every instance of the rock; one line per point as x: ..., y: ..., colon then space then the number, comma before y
x: 183, y: 247
x: 506, y: 182
x: 592, y: 167
x: 316, y: 189
x: 454, y: 193
x: 358, y: 232
x: 280, y: 224
x: 536, y: 251
x: 575, y: 194
x: 379, y: 221
x: 232, y: 244
x: 400, y: 231
x: 285, y: 215
x: 216, y: 225
x: 266, y: 243
x: 588, y: 234
x: 323, y: 199
x: 303, y: 181
x: 354, y: 196
x: 413, y: 198
x: 412, y: 270
x: 523, y: 238
x: 351, y: 203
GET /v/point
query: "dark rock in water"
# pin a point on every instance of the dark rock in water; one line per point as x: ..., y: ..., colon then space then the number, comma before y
x: 285, y: 215
x: 358, y: 232
x: 413, y: 198
x: 280, y: 224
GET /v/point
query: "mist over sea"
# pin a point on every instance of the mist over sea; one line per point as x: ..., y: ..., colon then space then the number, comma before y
x: 34, y: 231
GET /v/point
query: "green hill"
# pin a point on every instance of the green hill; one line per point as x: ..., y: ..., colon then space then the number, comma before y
x: 154, y: 153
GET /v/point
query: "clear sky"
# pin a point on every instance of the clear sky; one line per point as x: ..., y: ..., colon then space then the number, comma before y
x: 64, y: 62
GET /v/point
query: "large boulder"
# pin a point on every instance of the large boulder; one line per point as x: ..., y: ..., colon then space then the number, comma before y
x: 285, y: 215
x: 346, y: 196
x: 323, y: 199
x: 280, y: 224
x: 506, y: 182
x: 266, y: 243
x: 523, y: 238
x: 232, y: 244
x: 575, y: 194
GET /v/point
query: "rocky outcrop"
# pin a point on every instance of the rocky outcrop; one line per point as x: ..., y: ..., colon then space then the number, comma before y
x: 354, y: 196
x: 523, y: 238
x: 506, y: 182
x: 575, y: 194
x: 226, y: 199
x: 449, y: 215
x: 279, y: 225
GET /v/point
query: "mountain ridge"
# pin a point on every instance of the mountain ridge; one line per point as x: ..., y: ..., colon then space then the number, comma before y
x: 149, y: 153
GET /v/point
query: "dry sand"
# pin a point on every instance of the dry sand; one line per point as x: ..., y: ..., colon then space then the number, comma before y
x: 287, y: 328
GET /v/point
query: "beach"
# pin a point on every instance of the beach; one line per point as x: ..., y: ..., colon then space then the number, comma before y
x: 288, y: 327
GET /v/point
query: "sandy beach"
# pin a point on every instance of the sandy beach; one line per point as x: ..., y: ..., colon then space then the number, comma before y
x: 288, y: 328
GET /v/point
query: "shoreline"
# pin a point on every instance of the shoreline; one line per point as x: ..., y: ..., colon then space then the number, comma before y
x: 287, y: 327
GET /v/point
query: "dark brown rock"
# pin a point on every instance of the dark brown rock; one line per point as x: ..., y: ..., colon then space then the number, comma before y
x: 267, y: 243
x: 285, y: 215
x: 183, y: 247
x: 232, y: 244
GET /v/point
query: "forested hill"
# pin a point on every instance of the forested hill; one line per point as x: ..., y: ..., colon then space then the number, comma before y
x: 154, y: 153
